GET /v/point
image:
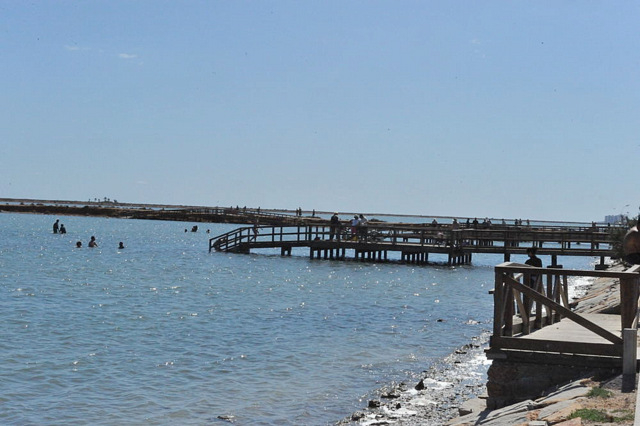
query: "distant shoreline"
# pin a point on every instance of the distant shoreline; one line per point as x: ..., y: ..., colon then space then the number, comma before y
x: 147, y: 211
x: 116, y: 209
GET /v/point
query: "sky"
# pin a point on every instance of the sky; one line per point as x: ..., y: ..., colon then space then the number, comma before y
x: 452, y: 108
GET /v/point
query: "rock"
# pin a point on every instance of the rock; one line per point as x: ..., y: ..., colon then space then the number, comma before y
x: 475, y: 405
x: 390, y: 395
x: 569, y: 391
x: 420, y: 385
x: 573, y: 422
x: 374, y: 404
x: 358, y: 415
x: 560, y: 410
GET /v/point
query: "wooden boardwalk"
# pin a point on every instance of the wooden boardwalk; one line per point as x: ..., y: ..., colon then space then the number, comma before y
x: 550, y: 329
x: 414, y: 244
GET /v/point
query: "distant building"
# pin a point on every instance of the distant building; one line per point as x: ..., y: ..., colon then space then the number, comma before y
x: 615, y: 219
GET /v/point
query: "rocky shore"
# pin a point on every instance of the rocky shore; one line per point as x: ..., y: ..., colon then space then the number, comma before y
x: 436, y: 398
x: 451, y: 391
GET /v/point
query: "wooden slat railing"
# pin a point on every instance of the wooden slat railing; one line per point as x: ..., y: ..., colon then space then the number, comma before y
x: 549, y: 292
x: 507, y: 240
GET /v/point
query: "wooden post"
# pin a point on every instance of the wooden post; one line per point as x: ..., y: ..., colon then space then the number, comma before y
x: 629, y: 351
x: 628, y: 301
x: 508, y: 309
x: 498, y: 314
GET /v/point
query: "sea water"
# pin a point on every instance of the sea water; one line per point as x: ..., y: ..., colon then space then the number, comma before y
x: 164, y: 332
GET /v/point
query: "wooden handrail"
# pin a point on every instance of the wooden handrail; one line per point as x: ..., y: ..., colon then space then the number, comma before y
x: 510, y: 289
x: 461, y: 237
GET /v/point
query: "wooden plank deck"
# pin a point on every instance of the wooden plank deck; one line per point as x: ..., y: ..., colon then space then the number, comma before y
x: 569, y: 331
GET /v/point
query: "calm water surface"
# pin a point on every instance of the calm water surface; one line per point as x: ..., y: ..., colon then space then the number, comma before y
x: 164, y: 332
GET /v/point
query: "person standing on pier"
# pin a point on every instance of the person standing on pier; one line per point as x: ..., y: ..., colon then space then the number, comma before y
x: 255, y: 230
x: 334, y: 227
x: 363, y: 227
x: 533, y: 259
x: 533, y: 279
x: 354, y: 227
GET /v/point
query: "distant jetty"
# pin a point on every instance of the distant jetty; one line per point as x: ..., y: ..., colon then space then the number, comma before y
x: 237, y: 215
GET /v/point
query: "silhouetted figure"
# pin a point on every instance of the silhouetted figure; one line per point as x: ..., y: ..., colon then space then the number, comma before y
x: 363, y: 227
x: 55, y: 226
x: 121, y: 245
x: 63, y: 230
x: 334, y: 229
x: 93, y: 242
x: 255, y: 230
x: 533, y: 279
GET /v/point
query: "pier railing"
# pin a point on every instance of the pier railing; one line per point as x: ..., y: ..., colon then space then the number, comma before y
x: 528, y: 298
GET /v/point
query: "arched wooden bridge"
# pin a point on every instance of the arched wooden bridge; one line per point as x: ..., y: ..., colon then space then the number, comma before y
x: 414, y: 244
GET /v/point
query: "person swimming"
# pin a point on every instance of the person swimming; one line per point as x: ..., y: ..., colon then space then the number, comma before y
x: 121, y: 245
x: 93, y: 242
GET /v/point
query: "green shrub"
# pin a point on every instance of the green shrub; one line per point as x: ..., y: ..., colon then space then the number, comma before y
x: 599, y: 393
x: 592, y: 415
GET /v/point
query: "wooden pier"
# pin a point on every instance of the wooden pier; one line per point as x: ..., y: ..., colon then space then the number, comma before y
x: 415, y: 244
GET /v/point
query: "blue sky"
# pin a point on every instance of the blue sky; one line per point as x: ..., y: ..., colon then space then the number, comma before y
x: 497, y: 108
